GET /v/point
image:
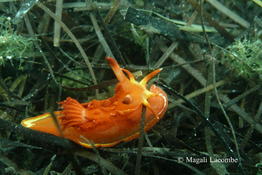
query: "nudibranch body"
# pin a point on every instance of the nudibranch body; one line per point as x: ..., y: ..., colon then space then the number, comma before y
x: 105, y: 123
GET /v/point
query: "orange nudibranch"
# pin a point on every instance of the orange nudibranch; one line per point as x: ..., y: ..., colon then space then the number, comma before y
x: 105, y: 123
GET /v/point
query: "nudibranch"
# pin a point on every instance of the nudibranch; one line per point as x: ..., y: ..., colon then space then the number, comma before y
x: 105, y: 123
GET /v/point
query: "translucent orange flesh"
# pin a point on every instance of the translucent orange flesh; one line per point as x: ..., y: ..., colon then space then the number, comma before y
x: 105, y: 123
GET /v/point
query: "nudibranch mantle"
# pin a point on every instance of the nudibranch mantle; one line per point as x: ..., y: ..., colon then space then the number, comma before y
x: 105, y: 123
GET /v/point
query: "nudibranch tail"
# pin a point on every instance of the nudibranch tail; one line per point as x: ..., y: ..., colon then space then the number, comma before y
x: 44, y: 123
x: 117, y: 70
x: 144, y: 81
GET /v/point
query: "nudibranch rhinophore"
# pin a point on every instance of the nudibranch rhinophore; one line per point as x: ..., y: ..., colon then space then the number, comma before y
x: 105, y: 123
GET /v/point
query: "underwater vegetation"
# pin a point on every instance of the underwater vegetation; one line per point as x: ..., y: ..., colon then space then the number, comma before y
x: 245, y: 58
x: 13, y: 45
x: 75, y: 95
